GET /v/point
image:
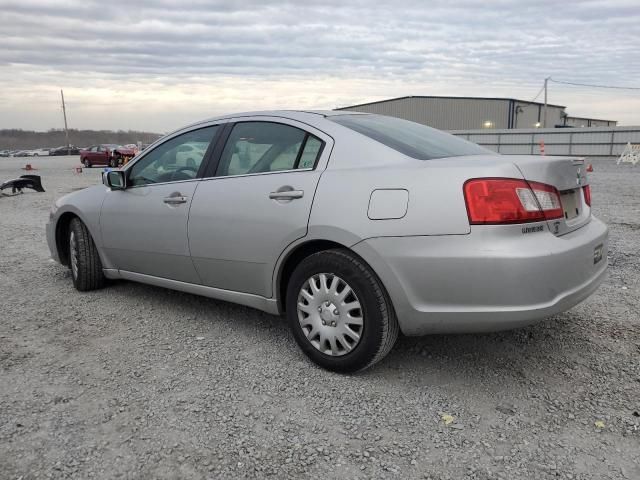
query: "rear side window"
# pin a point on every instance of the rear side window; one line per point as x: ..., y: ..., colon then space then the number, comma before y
x: 310, y: 153
x: 410, y: 138
x: 259, y: 147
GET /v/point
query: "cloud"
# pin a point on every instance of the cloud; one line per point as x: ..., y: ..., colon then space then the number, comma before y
x: 202, y: 56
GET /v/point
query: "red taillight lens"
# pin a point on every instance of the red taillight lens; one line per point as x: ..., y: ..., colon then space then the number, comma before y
x: 509, y: 200
x: 587, y: 194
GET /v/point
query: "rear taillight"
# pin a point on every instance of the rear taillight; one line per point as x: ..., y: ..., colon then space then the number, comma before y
x: 509, y: 200
x: 587, y: 194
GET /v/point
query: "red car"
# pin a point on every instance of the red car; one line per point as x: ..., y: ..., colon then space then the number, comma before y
x: 106, y: 154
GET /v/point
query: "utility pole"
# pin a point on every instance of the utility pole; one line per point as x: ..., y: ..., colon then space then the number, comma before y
x: 544, y: 117
x: 66, y: 129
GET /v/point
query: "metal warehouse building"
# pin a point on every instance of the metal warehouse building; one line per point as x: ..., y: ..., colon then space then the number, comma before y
x: 467, y: 113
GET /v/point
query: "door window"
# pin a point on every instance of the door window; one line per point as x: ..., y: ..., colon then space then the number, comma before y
x: 174, y: 160
x: 259, y: 147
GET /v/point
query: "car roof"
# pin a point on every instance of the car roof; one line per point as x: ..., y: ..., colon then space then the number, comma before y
x: 302, y: 115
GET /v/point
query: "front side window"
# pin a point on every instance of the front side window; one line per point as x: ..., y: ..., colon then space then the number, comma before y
x: 174, y: 160
x: 259, y: 147
x: 410, y: 138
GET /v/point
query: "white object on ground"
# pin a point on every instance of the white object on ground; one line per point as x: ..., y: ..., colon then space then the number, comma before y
x: 631, y: 154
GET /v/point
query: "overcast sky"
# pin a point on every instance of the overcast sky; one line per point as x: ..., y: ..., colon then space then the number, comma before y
x: 156, y: 65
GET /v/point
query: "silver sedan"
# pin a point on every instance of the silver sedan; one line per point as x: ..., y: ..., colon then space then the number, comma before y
x: 355, y: 226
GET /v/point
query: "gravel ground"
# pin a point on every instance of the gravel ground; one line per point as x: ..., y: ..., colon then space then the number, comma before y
x: 135, y: 381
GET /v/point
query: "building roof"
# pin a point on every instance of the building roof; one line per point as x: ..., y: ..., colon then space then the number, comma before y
x: 590, y: 118
x: 452, y: 97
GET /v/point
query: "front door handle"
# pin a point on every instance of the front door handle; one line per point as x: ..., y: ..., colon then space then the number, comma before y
x: 175, y: 199
x: 286, y: 194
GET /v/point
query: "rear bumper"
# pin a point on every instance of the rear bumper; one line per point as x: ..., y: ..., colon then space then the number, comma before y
x: 495, y: 278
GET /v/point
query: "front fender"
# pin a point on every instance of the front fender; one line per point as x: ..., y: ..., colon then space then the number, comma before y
x: 85, y: 204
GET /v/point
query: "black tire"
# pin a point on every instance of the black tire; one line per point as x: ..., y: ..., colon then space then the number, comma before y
x: 88, y: 275
x: 380, y: 325
x: 86, y: 163
x: 113, y: 163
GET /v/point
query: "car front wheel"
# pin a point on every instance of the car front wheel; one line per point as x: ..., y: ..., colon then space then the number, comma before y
x: 86, y: 267
x: 87, y: 163
x: 113, y: 163
x: 339, y: 312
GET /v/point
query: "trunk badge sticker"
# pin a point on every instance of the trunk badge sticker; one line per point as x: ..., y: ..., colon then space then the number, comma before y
x: 535, y: 228
x: 597, y: 253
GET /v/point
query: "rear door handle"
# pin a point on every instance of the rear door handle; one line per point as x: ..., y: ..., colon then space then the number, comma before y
x: 175, y: 199
x: 286, y: 195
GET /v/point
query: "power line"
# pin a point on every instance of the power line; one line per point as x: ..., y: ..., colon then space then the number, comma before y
x: 590, y: 85
x: 535, y: 98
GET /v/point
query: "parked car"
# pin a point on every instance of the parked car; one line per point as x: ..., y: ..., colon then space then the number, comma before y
x: 40, y: 152
x: 23, y: 153
x: 132, y: 146
x: 4, y: 153
x: 106, y: 154
x: 60, y: 151
x: 355, y: 226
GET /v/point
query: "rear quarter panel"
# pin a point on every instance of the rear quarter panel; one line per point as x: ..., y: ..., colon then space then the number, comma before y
x: 436, y: 203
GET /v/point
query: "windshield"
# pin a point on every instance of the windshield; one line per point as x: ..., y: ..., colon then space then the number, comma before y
x: 410, y: 138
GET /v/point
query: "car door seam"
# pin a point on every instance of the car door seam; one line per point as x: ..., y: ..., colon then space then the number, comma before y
x: 274, y: 274
x: 193, y: 197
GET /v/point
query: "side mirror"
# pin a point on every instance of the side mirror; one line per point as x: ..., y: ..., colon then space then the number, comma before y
x: 114, y: 179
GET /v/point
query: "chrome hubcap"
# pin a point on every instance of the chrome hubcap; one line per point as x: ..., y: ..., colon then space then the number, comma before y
x: 73, y: 250
x: 330, y: 314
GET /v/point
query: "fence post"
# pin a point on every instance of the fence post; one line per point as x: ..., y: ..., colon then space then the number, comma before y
x: 613, y: 132
x: 533, y: 136
x: 571, y: 143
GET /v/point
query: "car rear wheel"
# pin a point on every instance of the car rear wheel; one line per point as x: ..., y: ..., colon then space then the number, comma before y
x: 113, y: 163
x: 87, y: 163
x: 86, y: 267
x: 339, y: 312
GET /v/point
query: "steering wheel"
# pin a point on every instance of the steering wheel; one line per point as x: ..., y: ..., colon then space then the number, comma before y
x: 185, y: 169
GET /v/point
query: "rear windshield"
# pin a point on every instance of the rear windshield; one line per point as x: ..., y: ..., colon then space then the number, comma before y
x: 410, y: 138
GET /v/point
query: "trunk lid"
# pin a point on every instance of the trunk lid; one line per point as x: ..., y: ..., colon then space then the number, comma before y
x: 569, y: 176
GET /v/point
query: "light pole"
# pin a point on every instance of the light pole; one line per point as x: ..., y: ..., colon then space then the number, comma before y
x: 544, y: 117
x: 518, y: 110
x: 66, y: 129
